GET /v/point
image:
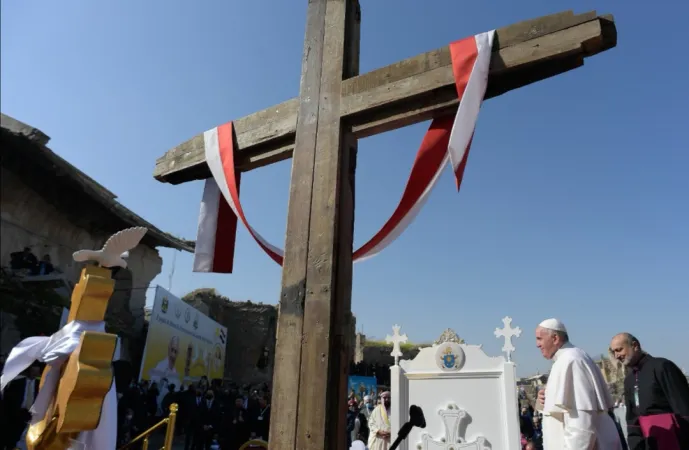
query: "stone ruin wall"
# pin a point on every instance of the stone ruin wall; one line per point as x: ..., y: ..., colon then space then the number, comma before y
x: 374, y: 353
x: 251, y: 334
x: 251, y: 330
x: 29, y: 221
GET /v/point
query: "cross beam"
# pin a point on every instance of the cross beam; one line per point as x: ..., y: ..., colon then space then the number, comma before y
x: 410, y: 91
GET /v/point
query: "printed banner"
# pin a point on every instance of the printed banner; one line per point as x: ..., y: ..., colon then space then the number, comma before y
x: 363, y: 386
x: 182, y: 344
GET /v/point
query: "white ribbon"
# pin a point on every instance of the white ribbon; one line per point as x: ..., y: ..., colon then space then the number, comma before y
x: 55, y: 351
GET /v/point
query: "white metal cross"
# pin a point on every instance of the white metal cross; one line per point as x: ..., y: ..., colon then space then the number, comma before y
x: 508, y: 333
x: 452, y: 417
x: 396, y: 339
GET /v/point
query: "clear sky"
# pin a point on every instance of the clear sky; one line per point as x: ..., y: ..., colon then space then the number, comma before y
x: 573, y: 203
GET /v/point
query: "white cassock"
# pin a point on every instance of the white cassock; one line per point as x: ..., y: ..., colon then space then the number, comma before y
x: 378, y: 421
x: 577, y: 400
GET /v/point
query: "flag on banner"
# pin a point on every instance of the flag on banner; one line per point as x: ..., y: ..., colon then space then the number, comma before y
x: 222, y: 335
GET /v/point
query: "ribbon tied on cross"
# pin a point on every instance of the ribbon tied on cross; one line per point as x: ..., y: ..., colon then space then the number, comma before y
x: 447, y: 140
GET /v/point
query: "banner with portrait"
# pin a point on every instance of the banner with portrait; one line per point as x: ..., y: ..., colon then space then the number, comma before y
x: 182, y: 344
x: 363, y: 386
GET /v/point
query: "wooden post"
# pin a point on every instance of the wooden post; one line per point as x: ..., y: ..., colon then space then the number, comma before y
x: 170, y: 430
x: 308, y: 411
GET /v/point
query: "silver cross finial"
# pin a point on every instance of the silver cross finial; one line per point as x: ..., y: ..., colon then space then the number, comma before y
x: 508, y: 333
x: 396, y: 339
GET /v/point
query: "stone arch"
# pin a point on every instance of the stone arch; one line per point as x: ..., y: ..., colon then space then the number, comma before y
x: 119, y: 316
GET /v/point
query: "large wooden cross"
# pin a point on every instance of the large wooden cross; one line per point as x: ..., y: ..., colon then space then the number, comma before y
x: 319, y: 129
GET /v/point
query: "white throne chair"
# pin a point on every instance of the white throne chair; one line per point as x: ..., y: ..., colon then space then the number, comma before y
x: 469, y: 399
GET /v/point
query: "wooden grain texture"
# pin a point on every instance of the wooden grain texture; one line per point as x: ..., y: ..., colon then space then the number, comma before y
x: 341, y: 350
x: 410, y: 91
x: 321, y: 393
x: 288, y: 348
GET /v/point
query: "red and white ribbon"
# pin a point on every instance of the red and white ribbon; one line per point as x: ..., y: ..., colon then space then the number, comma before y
x: 215, y: 239
x: 447, y: 140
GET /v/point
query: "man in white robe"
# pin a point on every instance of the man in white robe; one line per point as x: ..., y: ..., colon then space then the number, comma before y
x: 379, y: 424
x: 576, y: 399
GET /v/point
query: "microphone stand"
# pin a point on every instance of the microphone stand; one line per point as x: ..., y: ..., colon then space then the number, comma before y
x: 402, y: 435
x: 416, y: 419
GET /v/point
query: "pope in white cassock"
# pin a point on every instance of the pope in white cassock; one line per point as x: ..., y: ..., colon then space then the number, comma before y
x: 379, y: 424
x: 576, y: 399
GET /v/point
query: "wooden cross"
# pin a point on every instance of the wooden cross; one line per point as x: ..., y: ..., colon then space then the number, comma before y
x: 320, y: 130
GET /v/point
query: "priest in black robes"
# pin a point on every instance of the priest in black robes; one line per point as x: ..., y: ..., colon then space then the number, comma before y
x: 652, y: 386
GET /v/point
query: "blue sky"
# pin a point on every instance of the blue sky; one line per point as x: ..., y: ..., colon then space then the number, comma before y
x: 572, y: 199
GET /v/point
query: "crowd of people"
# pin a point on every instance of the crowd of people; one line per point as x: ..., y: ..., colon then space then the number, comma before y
x: 368, y: 422
x: 27, y: 263
x: 574, y: 410
x: 531, y: 429
x: 211, y: 415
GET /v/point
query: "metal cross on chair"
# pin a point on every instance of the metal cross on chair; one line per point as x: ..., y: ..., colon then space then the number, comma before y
x: 507, y: 332
x: 396, y: 339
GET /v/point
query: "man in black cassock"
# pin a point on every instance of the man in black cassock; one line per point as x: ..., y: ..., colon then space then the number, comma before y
x: 652, y: 386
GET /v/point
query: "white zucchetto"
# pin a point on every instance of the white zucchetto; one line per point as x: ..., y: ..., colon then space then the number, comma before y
x: 553, y: 324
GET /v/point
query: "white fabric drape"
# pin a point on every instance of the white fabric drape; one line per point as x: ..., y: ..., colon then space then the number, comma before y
x: 55, y: 350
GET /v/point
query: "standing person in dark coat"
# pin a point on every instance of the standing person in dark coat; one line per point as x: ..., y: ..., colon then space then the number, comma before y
x: 17, y: 399
x: 193, y: 438
x: 209, y: 417
x: 127, y: 428
x: 237, y: 425
x: 652, y: 386
x: 260, y: 419
x: 170, y: 398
